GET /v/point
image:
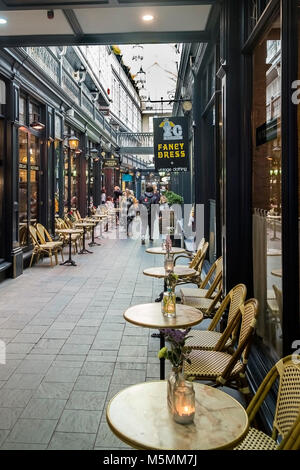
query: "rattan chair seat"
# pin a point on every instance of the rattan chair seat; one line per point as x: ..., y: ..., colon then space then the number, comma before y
x: 257, y: 440
x: 53, y: 244
x: 199, y: 339
x: 206, y: 364
x: 190, y: 292
x: 201, y: 303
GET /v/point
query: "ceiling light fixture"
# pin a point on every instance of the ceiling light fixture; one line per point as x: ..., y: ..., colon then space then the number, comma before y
x: 148, y: 17
x: 3, y: 21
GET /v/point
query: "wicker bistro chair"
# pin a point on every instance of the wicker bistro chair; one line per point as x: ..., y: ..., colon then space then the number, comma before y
x: 286, y: 422
x: 40, y: 249
x: 196, y: 263
x: 75, y: 237
x: 209, y: 288
x: 210, y: 338
x: 45, y: 237
x: 222, y: 368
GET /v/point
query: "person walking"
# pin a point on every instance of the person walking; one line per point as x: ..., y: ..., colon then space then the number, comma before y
x: 103, y: 195
x: 147, y: 199
x: 116, y: 196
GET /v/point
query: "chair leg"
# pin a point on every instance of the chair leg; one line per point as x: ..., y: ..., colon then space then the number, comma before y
x: 62, y: 254
x: 32, y: 256
x: 244, y: 388
x: 50, y: 254
x: 56, y: 259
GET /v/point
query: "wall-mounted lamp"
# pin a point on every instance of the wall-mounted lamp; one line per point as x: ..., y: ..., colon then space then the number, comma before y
x: 73, y: 142
x: 38, y: 126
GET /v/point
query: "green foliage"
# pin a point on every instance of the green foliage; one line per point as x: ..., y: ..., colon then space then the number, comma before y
x: 173, y: 198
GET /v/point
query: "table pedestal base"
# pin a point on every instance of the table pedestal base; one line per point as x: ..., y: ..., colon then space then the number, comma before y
x: 69, y: 262
x: 83, y: 251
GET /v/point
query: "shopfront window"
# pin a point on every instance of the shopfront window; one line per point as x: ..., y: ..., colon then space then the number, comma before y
x: 266, y: 189
x: 71, y: 166
x: 58, y: 186
x: 29, y: 161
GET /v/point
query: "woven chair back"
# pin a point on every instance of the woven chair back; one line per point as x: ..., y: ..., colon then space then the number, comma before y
x: 40, y: 231
x: 237, y: 298
x: 32, y: 231
x: 249, y: 312
x: 288, y: 400
x: 214, y: 276
x: 199, y: 258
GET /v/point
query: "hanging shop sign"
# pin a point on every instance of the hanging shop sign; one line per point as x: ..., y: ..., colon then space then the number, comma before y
x: 266, y: 132
x: 171, y: 143
x: 110, y: 163
x: 126, y: 177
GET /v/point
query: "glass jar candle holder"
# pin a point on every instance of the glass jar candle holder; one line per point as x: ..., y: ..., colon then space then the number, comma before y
x: 169, y: 263
x: 184, y: 403
x: 168, y: 304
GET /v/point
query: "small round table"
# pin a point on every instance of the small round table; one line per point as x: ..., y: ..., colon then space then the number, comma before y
x: 84, y: 225
x: 277, y: 272
x: 160, y: 272
x: 150, y: 316
x: 70, y: 232
x: 99, y: 218
x: 139, y: 416
x: 158, y: 250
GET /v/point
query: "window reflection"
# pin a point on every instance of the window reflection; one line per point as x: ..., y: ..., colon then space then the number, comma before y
x: 266, y: 178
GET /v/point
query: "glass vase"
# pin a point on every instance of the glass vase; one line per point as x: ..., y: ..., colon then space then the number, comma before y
x: 175, y: 378
x: 169, y: 263
x: 168, y: 304
x: 184, y: 403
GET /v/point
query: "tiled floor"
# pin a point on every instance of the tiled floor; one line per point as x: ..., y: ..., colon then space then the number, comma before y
x: 69, y: 350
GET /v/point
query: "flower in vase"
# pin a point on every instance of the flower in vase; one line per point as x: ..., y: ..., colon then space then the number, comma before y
x: 178, y: 352
x: 172, y: 281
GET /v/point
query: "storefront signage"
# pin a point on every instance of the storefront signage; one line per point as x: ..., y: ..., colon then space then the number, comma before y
x: 266, y: 132
x: 171, y: 143
x: 111, y: 163
x: 126, y: 177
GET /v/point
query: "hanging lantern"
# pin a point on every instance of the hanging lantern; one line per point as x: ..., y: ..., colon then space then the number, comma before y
x: 73, y: 142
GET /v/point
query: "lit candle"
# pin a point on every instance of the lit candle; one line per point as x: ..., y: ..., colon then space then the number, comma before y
x: 184, y: 404
x: 169, y: 263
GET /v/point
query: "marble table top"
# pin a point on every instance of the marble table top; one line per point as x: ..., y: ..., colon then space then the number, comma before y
x: 158, y: 250
x: 160, y: 272
x: 150, y: 316
x: 139, y: 416
x: 277, y: 272
x: 84, y: 224
x: 69, y: 230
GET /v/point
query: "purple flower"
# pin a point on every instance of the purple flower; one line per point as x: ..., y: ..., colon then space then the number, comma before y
x: 175, y: 336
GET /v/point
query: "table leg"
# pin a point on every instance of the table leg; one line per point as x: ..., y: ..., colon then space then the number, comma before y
x: 159, y: 298
x: 93, y: 243
x: 84, y: 250
x: 69, y: 261
x: 162, y: 361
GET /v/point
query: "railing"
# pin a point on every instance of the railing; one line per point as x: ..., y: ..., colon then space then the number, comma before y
x: 45, y: 58
x: 135, y: 139
x: 50, y: 64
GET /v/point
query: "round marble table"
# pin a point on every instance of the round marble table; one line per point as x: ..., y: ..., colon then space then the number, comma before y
x: 150, y: 316
x: 139, y: 416
x: 277, y: 272
x: 160, y: 272
x: 158, y: 250
x: 84, y: 225
x: 70, y: 232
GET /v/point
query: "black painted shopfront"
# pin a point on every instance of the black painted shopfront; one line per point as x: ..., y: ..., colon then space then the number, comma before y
x: 37, y: 180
